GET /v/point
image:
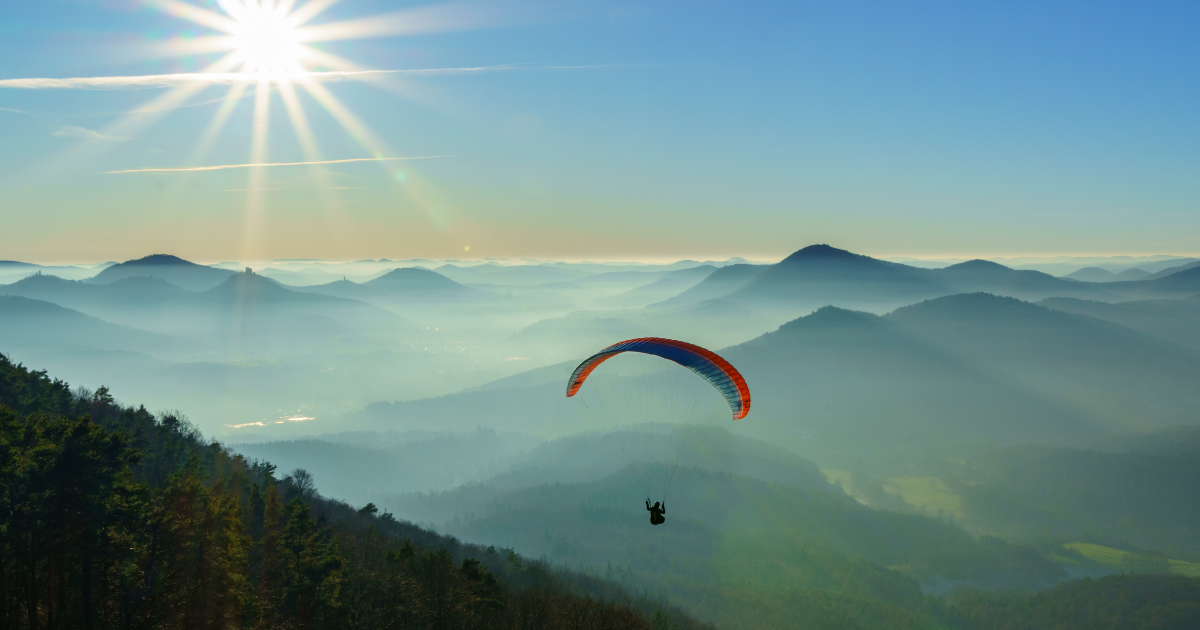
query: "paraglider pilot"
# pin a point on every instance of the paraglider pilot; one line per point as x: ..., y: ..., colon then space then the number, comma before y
x: 656, y: 512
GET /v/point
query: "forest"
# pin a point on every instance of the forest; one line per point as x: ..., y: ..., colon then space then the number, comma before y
x: 113, y: 517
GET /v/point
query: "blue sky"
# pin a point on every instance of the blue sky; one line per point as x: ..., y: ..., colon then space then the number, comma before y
x: 624, y: 130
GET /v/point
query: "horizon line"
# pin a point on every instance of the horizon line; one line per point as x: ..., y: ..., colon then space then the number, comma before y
x: 772, y: 259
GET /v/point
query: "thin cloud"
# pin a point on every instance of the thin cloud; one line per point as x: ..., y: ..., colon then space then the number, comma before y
x: 81, y: 133
x: 262, y: 189
x: 14, y: 111
x: 223, y: 167
x: 154, y: 81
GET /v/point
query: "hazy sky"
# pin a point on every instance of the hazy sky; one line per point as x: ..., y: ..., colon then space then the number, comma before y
x: 607, y: 130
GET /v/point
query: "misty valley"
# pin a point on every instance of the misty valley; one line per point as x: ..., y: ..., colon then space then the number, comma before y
x: 387, y: 444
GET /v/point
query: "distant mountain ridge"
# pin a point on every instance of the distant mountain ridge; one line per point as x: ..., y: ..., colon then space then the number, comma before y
x: 821, y: 275
x: 260, y: 309
x: 1177, y: 321
x: 1172, y: 270
x: 963, y: 367
x: 40, y: 326
x: 420, y: 283
x: 403, y: 287
x: 177, y: 271
x: 668, y: 285
x: 721, y: 282
x: 1098, y: 274
x: 492, y: 273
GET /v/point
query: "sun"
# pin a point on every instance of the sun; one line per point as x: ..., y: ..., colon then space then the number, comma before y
x: 273, y: 51
x: 267, y: 41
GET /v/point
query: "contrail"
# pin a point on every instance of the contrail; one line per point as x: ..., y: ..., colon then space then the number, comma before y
x: 154, y: 81
x: 222, y: 167
x: 224, y: 78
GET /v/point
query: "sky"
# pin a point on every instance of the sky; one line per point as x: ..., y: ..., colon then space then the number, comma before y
x: 599, y: 130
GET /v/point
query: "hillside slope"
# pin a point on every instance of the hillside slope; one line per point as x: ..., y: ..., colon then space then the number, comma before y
x: 741, y: 552
x: 961, y: 368
x: 1177, y: 321
x: 245, y: 310
x: 151, y: 526
x: 177, y: 271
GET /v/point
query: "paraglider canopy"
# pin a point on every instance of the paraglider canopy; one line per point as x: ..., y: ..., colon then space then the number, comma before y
x: 705, y: 363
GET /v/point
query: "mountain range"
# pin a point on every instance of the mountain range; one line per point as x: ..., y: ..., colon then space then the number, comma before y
x: 1177, y: 321
x: 1099, y: 274
x: 177, y: 271
x: 735, y: 550
x: 966, y: 367
x: 245, y: 310
x: 820, y: 275
x: 407, y: 286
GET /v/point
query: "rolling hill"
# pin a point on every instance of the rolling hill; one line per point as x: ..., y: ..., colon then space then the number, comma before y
x: 820, y: 275
x: 177, y: 271
x: 520, y: 275
x: 364, y: 466
x: 564, y: 338
x: 1177, y: 321
x: 245, y: 310
x: 1182, y: 283
x: 737, y: 551
x: 1098, y: 274
x: 1144, y: 495
x: 721, y: 282
x: 668, y: 284
x: 981, y: 275
x: 406, y: 286
x: 28, y: 324
x: 1162, y: 273
x: 841, y: 383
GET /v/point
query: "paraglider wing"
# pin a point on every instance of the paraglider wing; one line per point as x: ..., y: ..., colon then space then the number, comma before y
x: 705, y: 363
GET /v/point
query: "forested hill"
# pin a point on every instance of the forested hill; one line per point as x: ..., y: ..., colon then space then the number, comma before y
x: 111, y: 517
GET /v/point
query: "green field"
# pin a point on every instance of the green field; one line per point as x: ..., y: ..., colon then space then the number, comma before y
x: 1132, y: 562
x: 930, y: 494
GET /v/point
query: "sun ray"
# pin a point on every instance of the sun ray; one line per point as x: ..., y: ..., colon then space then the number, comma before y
x: 181, y: 9
x: 308, y: 145
x: 262, y: 112
x: 284, y: 7
x: 329, y: 60
x: 440, y: 18
x: 179, y: 188
x: 291, y: 104
x: 236, y: 10
x: 437, y: 210
x: 311, y: 9
x: 232, y: 97
x: 186, y: 46
x: 345, y: 118
x: 125, y: 127
x: 267, y: 42
x: 258, y: 152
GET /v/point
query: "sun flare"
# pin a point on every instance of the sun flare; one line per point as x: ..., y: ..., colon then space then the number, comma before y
x: 267, y: 42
